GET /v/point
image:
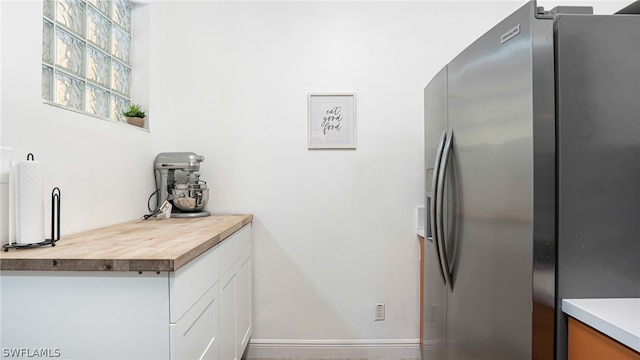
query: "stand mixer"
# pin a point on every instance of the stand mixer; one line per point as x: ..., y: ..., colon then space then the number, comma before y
x: 180, y: 184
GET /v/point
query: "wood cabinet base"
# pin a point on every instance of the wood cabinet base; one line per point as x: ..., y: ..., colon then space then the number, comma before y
x: 586, y: 343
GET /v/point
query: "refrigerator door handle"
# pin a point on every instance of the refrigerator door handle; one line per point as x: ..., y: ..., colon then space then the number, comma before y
x: 442, y: 175
x: 434, y: 198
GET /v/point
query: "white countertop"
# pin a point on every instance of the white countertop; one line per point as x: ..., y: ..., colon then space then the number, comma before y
x: 617, y: 318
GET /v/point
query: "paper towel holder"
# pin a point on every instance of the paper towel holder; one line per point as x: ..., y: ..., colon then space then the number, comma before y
x: 55, y: 221
x: 55, y: 225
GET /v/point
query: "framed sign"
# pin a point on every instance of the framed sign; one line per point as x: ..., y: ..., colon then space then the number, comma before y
x: 331, y: 121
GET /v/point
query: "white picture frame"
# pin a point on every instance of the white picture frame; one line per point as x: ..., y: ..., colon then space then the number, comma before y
x: 331, y: 119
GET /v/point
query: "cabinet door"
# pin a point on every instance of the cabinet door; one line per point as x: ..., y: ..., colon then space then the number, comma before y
x: 586, y: 343
x: 195, y: 335
x: 228, y: 315
x: 235, y: 294
x: 191, y: 282
x: 233, y: 247
x: 243, y: 301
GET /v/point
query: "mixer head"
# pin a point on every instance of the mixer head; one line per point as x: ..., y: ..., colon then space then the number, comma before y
x: 186, y: 161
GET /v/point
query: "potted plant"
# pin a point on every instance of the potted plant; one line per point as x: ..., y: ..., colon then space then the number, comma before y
x: 134, y: 115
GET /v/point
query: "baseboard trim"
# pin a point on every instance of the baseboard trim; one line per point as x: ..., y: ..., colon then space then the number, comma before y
x: 388, y: 349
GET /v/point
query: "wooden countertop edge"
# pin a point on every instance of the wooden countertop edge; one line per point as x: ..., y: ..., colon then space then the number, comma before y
x: 87, y: 265
x: 49, y: 264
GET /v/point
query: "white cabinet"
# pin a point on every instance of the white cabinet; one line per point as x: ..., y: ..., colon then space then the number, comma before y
x: 193, y: 308
x: 85, y: 314
x: 243, y: 302
x: 235, y: 297
x: 191, y: 281
x: 200, y: 311
x: 228, y: 314
x: 195, y: 335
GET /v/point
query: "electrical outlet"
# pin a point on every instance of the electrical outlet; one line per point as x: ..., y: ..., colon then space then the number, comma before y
x: 379, y: 312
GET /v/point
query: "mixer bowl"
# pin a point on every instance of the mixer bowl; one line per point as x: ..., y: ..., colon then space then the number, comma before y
x: 190, y: 197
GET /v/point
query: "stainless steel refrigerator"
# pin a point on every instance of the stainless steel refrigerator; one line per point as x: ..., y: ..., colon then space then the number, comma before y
x: 532, y: 150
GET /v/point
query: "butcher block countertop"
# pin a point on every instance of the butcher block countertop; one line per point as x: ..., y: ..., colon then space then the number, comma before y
x: 140, y: 245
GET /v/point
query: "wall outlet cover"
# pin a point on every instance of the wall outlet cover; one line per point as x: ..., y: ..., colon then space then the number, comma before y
x: 379, y: 312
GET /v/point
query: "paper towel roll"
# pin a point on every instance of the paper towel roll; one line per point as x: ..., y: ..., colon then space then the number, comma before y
x: 29, y: 202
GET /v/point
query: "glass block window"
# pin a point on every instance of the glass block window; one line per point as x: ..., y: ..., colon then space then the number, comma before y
x: 86, y: 55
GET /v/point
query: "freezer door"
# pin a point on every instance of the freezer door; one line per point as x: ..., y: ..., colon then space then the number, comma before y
x: 433, y: 311
x: 598, y: 71
x: 490, y: 238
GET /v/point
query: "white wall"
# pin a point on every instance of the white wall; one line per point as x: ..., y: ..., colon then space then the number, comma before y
x: 334, y: 231
x: 104, y: 169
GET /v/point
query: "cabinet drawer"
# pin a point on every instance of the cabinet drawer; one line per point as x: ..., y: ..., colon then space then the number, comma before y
x: 190, y: 282
x: 244, y: 301
x: 233, y: 247
x: 195, y: 335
